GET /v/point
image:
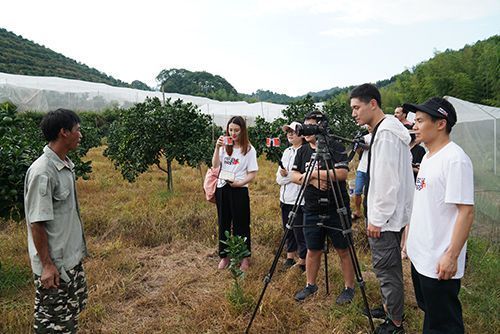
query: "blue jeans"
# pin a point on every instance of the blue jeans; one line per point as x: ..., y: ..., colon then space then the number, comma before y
x: 361, y: 179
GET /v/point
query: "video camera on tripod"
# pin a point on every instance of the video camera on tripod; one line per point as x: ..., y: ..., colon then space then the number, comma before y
x: 321, y: 128
x: 323, y: 134
x: 324, y: 158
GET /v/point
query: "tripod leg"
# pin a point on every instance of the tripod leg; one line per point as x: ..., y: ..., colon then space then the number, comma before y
x: 327, y: 281
x: 347, y: 231
x: 359, y: 279
x: 268, y: 278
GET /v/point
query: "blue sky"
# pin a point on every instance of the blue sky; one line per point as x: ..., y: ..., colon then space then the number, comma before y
x: 287, y: 46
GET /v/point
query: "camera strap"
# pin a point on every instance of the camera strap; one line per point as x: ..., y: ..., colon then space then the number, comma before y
x: 365, y: 200
x: 371, y: 144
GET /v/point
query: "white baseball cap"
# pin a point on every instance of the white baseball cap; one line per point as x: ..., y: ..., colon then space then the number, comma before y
x: 291, y: 126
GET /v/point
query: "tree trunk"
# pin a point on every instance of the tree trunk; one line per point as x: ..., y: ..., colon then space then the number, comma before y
x: 170, y: 179
x: 201, y: 175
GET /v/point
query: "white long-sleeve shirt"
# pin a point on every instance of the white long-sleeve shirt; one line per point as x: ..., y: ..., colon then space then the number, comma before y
x: 363, y: 162
x: 288, y: 190
x: 391, y: 188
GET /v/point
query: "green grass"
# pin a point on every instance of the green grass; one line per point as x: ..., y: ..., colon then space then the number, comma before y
x: 16, y: 297
x: 480, y: 292
x: 13, y: 277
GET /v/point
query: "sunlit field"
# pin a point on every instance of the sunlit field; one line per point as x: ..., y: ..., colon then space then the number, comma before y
x: 153, y: 266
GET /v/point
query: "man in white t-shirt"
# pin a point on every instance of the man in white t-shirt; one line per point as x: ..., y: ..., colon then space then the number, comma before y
x: 441, y: 218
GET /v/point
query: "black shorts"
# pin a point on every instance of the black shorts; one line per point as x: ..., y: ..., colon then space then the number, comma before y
x: 315, y: 235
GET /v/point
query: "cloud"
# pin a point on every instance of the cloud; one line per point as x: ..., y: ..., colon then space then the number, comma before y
x: 350, y: 32
x: 398, y: 12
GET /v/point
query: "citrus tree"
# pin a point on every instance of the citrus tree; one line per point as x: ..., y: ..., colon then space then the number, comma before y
x: 339, y: 113
x: 21, y: 143
x: 144, y: 134
x: 264, y: 129
x: 296, y: 111
x: 91, y: 137
x: 336, y: 109
x: 18, y: 149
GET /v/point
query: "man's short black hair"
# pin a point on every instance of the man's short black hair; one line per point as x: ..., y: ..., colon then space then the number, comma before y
x: 56, y: 120
x: 403, y: 110
x: 365, y: 93
x: 316, y: 114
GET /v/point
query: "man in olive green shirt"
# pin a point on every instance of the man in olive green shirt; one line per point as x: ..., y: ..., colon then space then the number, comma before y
x: 56, y: 242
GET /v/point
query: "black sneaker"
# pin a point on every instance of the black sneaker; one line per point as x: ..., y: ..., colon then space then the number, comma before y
x: 345, y: 296
x: 288, y: 264
x: 388, y: 327
x: 306, y: 292
x: 377, y: 313
x: 302, y: 267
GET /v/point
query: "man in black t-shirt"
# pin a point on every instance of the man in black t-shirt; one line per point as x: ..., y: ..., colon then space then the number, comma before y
x: 417, y: 154
x: 319, y: 188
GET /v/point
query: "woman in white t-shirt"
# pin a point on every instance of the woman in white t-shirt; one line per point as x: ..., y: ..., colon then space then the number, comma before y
x: 361, y: 176
x: 238, y: 161
x: 289, y: 191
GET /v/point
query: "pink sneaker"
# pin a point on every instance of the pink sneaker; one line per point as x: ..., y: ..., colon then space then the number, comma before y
x: 224, y: 262
x: 245, y: 264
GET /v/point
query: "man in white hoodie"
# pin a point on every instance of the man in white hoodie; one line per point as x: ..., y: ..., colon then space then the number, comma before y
x: 389, y: 198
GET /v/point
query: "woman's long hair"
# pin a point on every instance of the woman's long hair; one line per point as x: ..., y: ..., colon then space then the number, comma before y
x: 242, y: 138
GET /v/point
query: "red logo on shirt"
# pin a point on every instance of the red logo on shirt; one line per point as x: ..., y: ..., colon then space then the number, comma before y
x: 231, y: 161
x: 420, y: 183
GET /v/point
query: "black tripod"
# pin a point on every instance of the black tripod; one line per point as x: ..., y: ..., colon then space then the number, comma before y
x: 322, y: 155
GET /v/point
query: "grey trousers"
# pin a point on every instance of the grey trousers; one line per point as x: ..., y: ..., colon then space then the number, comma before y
x: 386, y: 261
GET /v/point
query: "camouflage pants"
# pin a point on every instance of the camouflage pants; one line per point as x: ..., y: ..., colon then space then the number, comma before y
x: 57, y: 309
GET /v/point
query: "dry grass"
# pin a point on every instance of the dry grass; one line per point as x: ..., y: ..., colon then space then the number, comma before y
x: 153, y: 263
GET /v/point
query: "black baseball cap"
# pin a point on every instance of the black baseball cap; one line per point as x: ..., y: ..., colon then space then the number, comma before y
x: 436, y: 106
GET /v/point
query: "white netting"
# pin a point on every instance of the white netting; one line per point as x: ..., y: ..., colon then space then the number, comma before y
x: 49, y: 93
x: 476, y: 132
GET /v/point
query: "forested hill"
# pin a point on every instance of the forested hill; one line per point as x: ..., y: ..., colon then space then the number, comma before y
x: 471, y: 73
x: 21, y: 56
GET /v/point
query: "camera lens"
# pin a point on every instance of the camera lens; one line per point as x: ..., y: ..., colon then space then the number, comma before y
x: 307, y: 129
